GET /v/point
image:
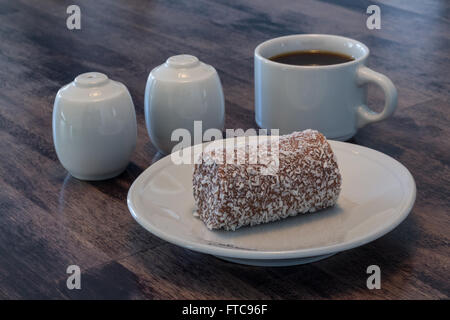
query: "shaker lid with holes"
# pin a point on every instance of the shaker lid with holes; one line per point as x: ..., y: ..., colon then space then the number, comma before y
x: 91, y: 86
x: 183, y: 68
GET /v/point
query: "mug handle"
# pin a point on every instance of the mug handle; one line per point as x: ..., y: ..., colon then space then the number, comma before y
x: 364, y: 115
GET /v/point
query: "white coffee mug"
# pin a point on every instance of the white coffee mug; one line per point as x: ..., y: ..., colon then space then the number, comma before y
x: 328, y: 98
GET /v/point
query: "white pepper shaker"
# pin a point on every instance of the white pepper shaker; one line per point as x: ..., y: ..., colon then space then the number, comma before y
x: 178, y: 93
x: 94, y: 127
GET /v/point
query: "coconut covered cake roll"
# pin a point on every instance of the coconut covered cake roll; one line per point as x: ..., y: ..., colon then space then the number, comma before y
x: 232, y: 195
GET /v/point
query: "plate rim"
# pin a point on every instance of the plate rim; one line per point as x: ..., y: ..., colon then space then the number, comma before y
x: 406, y: 208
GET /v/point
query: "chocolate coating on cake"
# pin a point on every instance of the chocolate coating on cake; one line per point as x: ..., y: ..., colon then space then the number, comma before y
x: 230, y: 195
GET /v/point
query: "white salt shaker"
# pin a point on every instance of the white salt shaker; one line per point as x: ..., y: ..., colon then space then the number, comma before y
x: 179, y: 92
x: 94, y: 127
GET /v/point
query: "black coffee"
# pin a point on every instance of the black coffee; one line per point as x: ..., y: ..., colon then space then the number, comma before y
x: 311, y: 58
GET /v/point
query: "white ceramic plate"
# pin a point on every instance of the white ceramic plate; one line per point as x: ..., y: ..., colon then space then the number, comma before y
x: 377, y: 194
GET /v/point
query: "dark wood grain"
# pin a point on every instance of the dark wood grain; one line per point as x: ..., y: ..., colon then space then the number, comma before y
x: 49, y: 220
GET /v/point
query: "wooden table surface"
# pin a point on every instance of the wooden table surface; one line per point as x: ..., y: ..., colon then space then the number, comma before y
x: 49, y: 220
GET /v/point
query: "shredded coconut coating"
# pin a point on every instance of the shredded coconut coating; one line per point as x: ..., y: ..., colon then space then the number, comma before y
x: 230, y: 195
